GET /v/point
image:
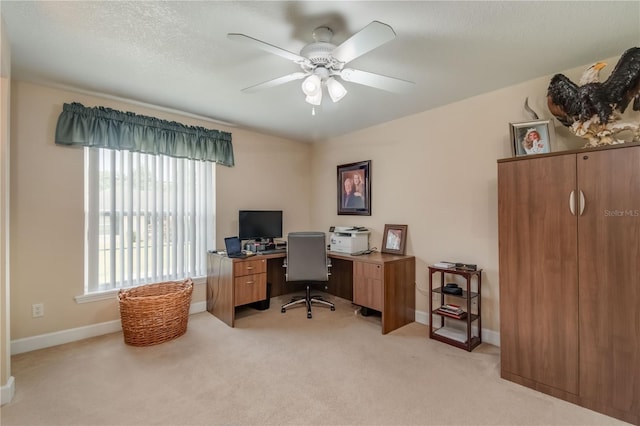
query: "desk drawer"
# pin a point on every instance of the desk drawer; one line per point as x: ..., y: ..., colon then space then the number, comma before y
x: 368, y: 285
x: 250, y: 288
x: 249, y: 267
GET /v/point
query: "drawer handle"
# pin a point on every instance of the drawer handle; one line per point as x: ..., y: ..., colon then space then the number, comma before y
x: 249, y: 267
x: 250, y: 282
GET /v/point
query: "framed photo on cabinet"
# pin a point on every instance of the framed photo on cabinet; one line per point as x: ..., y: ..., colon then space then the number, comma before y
x: 531, y: 137
x: 354, y: 188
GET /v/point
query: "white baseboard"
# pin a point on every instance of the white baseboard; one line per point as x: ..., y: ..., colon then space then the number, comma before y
x: 7, y: 391
x: 42, y: 341
x: 488, y: 336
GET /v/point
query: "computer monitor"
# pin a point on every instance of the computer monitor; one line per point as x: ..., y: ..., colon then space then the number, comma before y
x: 259, y: 224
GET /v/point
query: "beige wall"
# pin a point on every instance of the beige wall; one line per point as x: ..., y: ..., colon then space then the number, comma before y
x: 434, y: 171
x: 47, y: 204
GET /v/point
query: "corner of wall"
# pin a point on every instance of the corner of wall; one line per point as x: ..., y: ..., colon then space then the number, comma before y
x: 6, y: 380
x: 7, y: 391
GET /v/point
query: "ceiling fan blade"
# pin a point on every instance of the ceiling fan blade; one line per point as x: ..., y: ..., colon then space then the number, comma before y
x: 276, y: 82
x: 373, y: 35
x: 378, y: 81
x: 268, y: 47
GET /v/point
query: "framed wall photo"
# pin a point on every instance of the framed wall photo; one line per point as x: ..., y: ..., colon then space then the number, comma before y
x: 394, y: 239
x: 531, y: 137
x: 354, y: 188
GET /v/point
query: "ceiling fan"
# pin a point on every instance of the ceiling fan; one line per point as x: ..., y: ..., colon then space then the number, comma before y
x: 322, y: 62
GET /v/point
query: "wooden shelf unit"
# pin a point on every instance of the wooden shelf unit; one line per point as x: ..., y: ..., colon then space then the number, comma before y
x: 468, y: 296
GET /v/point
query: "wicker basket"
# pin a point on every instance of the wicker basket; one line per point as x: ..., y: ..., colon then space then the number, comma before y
x: 155, y: 313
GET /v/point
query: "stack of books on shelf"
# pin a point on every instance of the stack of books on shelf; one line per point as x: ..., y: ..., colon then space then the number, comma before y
x: 453, y: 311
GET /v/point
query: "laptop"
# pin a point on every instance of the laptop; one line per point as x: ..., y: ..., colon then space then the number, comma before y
x: 234, y: 247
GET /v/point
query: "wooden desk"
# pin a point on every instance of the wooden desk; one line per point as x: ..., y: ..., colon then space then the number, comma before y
x: 383, y: 282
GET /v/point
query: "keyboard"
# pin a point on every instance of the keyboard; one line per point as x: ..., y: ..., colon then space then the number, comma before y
x: 280, y: 250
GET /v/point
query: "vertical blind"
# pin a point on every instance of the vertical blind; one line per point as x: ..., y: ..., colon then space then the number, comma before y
x: 149, y: 218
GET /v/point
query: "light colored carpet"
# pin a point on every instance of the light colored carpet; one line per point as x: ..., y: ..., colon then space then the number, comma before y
x: 274, y: 368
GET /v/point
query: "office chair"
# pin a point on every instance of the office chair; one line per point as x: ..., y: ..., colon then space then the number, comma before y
x: 307, y: 261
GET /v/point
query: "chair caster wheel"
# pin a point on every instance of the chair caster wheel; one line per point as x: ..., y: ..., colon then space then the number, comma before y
x: 333, y: 308
x: 283, y: 310
x: 309, y: 315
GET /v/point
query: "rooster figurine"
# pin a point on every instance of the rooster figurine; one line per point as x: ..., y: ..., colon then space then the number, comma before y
x: 592, y: 109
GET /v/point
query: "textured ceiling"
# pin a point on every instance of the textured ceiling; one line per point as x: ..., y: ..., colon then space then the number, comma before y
x: 177, y: 55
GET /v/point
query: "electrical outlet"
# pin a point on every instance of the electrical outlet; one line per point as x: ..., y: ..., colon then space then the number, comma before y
x: 37, y: 310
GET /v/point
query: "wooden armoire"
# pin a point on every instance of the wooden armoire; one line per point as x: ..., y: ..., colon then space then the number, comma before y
x: 569, y: 269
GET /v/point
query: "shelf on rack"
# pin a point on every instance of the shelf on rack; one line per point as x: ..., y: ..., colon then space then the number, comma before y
x: 454, y: 269
x: 463, y: 295
x: 462, y: 316
x: 452, y: 333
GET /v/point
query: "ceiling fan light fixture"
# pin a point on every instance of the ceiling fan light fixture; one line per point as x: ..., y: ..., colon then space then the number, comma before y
x: 314, y: 99
x: 336, y: 89
x: 312, y: 85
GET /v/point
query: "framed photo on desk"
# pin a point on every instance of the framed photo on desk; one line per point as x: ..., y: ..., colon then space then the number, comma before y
x: 394, y: 239
x: 354, y: 188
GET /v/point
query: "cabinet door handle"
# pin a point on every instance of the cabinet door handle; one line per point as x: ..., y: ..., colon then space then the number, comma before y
x: 572, y: 203
x: 582, y: 202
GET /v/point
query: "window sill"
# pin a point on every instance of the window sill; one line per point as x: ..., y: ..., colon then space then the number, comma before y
x: 112, y: 294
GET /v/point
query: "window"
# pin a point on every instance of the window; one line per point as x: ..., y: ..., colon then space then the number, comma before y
x: 148, y: 218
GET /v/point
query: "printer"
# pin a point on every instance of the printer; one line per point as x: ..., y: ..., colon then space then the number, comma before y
x: 349, y: 239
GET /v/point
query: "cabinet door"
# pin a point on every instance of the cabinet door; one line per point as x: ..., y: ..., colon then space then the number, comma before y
x: 367, y: 285
x: 538, y: 271
x: 609, y: 253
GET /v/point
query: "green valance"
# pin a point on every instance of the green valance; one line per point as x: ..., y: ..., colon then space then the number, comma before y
x: 102, y: 127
